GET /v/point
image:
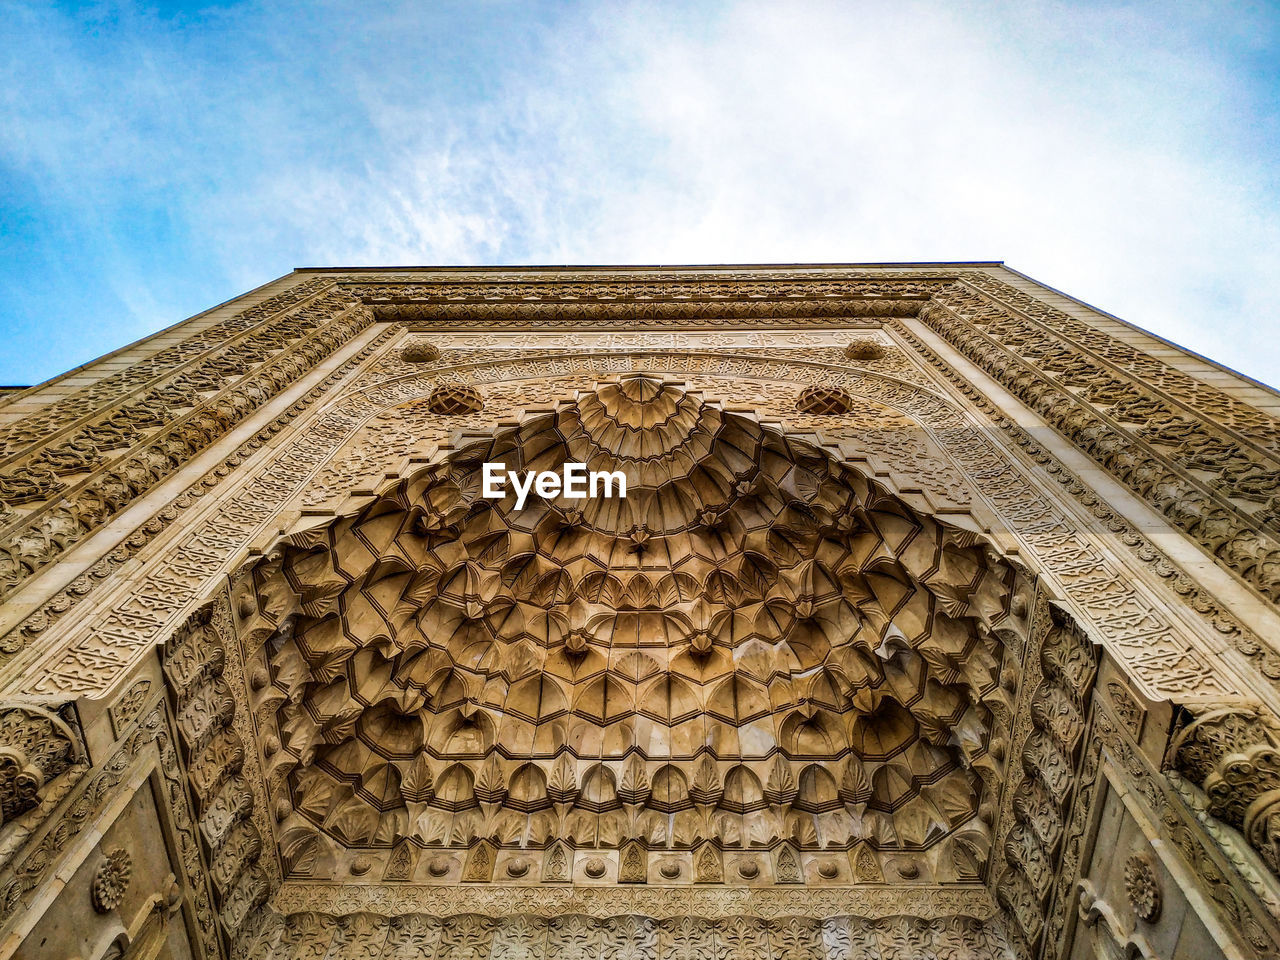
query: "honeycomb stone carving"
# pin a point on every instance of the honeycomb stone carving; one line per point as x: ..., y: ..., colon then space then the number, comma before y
x: 455, y: 401
x: 820, y: 664
x: 760, y: 670
x: 824, y: 401
x: 111, y: 880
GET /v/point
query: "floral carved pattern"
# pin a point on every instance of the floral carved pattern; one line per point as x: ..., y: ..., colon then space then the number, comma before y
x: 1142, y: 886
x: 111, y: 880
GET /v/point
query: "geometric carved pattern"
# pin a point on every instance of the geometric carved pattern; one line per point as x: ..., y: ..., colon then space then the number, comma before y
x: 1219, y: 485
x: 1143, y: 887
x: 81, y: 476
x: 194, y: 662
x: 1050, y: 762
x: 579, y: 937
x: 755, y: 644
x: 452, y: 401
x: 828, y: 401
x: 647, y: 692
x: 864, y: 349
x: 111, y: 880
x: 419, y: 350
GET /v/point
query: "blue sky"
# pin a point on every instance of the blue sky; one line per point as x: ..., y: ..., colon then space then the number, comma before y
x: 156, y: 159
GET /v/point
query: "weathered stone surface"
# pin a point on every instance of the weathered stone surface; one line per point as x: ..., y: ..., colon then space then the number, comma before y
x: 939, y: 620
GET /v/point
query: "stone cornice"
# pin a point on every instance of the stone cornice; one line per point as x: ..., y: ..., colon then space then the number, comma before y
x: 871, y: 901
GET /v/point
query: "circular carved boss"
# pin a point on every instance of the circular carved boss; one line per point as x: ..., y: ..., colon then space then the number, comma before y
x: 111, y: 880
x: 1142, y: 884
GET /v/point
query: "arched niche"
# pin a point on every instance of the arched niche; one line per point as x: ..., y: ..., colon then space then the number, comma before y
x: 752, y: 613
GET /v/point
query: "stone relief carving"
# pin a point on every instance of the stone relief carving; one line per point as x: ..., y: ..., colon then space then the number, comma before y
x: 244, y: 375
x: 524, y: 647
x: 16, y: 639
x: 910, y: 285
x: 36, y: 747
x: 33, y: 864
x: 1035, y: 784
x: 1210, y: 402
x: 827, y: 401
x: 111, y: 880
x: 419, y: 350
x: 1047, y: 737
x: 454, y: 401
x: 129, y: 705
x: 864, y: 349
x: 112, y: 390
x: 1143, y: 438
x: 1142, y: 885
x: 132, y: 627
x: 215, y: 756
x: 1265, y: 659
x: 1243, y: 897
x: 1233, y: 754
x: 628, y: 937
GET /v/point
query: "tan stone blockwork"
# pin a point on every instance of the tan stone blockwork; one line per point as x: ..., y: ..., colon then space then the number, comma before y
x: 940, y: 620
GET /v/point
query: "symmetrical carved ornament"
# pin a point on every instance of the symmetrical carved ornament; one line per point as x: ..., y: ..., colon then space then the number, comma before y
x: 445, y: 669
x: 111, y: 880
x: 1161, y: 659
x: 824, y: 401
x: 419, y: 350
x: 1048, y: 737
x: 1233, y: 754
x: 1241, y: 891
x: 38, y: 861
x: 574, y: 936
x: 864, y: 349
x: 773, y: 680
x: 1142, y: 886
x: 1159, y: 446
x: 455, y: 401
x: 227, y: 804
x: 128, y: 705
x: 659, y: 295
x: 197, y: 560
x: 56, y: 490
x: 36, y: 747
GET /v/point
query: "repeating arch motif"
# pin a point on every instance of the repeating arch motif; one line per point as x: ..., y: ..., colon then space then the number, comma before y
x: 755, y: 644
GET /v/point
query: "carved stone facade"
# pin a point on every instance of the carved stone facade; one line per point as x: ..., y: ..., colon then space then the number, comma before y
x: 940, y: 619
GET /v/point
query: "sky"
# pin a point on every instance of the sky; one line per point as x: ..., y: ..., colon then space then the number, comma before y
x: 159, y: 158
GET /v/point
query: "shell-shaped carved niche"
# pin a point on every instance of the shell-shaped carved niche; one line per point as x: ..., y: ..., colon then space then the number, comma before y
x: 756, y: 644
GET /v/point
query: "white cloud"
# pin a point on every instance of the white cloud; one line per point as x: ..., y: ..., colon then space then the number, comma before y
x: 1117, y: 153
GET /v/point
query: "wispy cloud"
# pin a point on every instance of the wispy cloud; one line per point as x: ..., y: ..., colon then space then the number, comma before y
x: 1120, y: 152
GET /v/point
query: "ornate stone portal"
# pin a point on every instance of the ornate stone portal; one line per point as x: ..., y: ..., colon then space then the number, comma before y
x: 939, y: 620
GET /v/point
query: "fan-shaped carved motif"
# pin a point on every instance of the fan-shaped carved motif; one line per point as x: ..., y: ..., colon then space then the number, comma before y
x: 793, y: 654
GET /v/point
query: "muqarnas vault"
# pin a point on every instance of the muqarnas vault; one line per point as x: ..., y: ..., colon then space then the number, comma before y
x: 938, y: 620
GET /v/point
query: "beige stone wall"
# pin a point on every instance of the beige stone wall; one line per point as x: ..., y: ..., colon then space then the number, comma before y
x: 1134, y: 485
